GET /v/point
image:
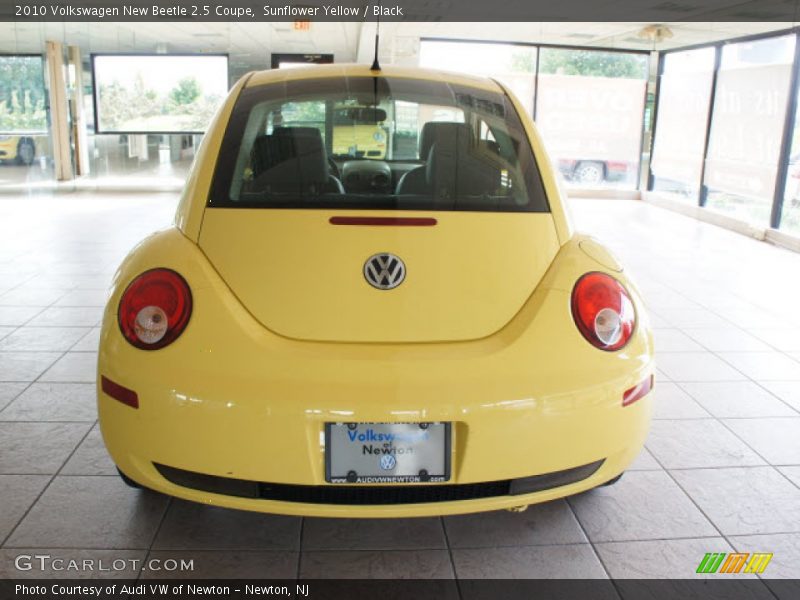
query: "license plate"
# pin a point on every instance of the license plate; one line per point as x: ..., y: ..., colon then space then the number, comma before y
x: 387, y: 452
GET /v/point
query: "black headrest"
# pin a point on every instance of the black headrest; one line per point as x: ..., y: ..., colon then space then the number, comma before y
x: 450, y: 147
x: 456, y: 167
x: 293, y: 156
x: 433, y: 131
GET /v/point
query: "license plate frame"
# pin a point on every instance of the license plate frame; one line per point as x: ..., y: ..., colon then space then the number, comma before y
x: 375, y: 477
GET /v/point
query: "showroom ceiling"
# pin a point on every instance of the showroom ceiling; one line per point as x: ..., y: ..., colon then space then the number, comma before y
x: 250, y: 44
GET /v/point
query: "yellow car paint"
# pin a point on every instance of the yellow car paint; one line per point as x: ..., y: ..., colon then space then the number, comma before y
x: 240, y: 395
x: 357, y: 138
x: 436, y: 303
x: 360, y: 140
x: 10, y: 146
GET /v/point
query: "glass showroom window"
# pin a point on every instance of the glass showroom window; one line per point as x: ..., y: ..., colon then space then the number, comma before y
x: 590, y: 110
x: 790, y: 216
x: 25, y: 149
x: 683, y: 109
x: 151, y: 111
x: 514, y: 65
x: 747, y: 126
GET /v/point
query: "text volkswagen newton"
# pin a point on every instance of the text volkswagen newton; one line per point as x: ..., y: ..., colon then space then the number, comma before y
x: 331, y: 331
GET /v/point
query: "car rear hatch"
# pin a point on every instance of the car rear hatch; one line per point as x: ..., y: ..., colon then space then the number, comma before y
x: 302, y: 276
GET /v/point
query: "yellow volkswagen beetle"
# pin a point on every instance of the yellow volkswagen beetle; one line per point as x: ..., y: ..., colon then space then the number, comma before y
x: 21, y: 149
x: 357, y: 132
x: 421, y: 334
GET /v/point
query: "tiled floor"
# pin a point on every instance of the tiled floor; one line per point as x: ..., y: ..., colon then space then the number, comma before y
x: 721, y: 470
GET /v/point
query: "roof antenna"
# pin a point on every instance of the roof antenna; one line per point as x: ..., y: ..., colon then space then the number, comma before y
x: 375, y: 64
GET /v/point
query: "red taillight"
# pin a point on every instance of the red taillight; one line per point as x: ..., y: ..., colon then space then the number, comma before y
x: 637, y: 392
x: 603, y: 311
x: 155, y: 309
x: 119, y: 392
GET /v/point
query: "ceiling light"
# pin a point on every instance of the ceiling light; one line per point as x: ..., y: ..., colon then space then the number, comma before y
x: 655, y: 33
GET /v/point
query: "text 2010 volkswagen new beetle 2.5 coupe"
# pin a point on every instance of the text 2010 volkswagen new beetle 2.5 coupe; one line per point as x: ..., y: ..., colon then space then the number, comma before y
x: 343, y: 334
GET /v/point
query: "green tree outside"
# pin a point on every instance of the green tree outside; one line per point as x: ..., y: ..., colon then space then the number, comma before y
x: 187, y: 91
x: 592, y: 63
x: 139, y: 108
x: 22, y: 95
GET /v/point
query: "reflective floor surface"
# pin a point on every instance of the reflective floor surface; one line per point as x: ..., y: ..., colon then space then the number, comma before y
x: 721, y: 470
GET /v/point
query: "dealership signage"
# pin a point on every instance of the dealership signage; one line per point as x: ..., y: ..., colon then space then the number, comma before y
x: 591, y: 117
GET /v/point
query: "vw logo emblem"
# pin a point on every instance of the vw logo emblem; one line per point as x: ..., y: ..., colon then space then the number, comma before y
x: 388, y: 462
x: 384, y: 271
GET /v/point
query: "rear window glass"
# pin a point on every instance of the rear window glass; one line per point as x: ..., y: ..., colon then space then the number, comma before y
x: 376, y: 143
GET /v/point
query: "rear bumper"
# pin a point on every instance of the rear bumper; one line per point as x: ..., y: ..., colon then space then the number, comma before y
x: 231, y: 400
x: 318, y: 501
x: 250, y: 451
x: 375, y: 495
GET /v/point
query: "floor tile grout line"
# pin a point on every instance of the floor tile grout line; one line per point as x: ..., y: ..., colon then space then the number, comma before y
x: 710, y: 309
x: 16, y: 396
x: 785, y: 476
x: 109, y: 475
x: 712, y: 417
x: 451, y: 558
x: 743, y: 441
x: 686, y: 331
x: 46, y: 368
x: 46, y: 381
x: 714, y: 352
x: 53, y: 477
x: 90, y: 328
x: 300, y: 548
x: 591, y: 544
x: 718, y: 466
x: 774, y: 467
x: 42, y: 311
x: 75, y: 449
x: 681, y: 385
x: 694, y: 502
x: 44, y: 421
x: 251, y: 550
x: 29, y: 385
x: 88, y: 333
x: 689, y: 496
x: 758, y: 577
x: 149, y: 550
x: 702, y: 350
x: 19, y: 351
x: 13, y: 329
x: 24, y: 281
x: 698, y: 507
x: 27, y: 511
x: 92, y: 325
x: 730, y: 364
